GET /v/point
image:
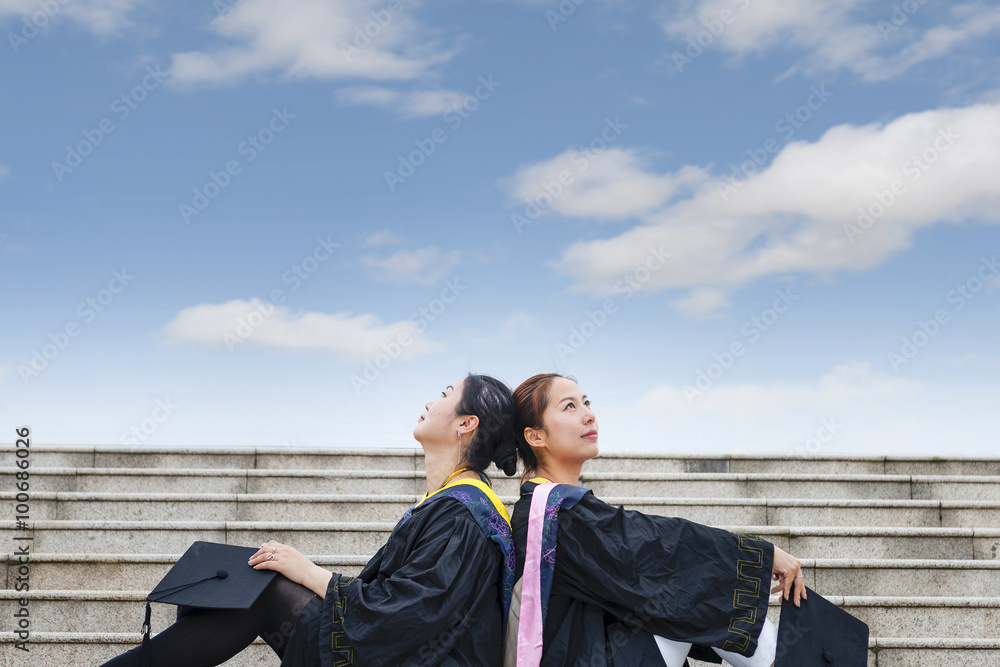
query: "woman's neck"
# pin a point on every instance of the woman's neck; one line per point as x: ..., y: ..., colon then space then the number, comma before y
x: 561, y: 474
x: 439, y: 466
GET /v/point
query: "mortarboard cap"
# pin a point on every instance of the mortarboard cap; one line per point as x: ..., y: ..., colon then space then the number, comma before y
x: 820, y: 634
x: 213, y: 575
x: 209, y: 575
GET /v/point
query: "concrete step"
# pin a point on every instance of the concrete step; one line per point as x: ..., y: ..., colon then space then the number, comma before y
x: 137, y: 537
x: 140, y: 572
x: 65, y: 648
x: 247, y: 458
x: 848, y: 577
x: 926, y: 617
x: 89, y: 537
x: 785, y: 486
x: 72, y: 505
x: 47, y: 649
x: 411, y: 458
x: 893, y: 577
x: 123, y: 611
x: 618, y: 484
x: 895, y: 540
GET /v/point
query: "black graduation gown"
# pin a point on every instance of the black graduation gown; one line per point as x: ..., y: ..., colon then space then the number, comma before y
x: 621, y: 577
x: 428, y: 597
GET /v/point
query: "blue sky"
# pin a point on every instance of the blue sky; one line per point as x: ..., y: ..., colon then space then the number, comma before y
x: 744, y: 226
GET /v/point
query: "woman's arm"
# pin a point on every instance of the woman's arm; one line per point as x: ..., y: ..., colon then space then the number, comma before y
x: 668, y: 576
x: 787, y: 571
x: 293, y: 564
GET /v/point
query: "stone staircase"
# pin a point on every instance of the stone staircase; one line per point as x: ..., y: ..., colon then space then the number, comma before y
x: 909, y: 545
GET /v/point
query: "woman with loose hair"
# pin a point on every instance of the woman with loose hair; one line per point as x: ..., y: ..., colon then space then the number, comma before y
x: 436, y: 593
x: 608, y: 586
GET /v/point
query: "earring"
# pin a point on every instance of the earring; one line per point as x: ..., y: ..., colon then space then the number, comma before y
x: 459, y: 446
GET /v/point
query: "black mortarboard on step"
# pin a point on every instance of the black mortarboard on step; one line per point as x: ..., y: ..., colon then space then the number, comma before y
x: 208, y: 575
x: 820, y: 634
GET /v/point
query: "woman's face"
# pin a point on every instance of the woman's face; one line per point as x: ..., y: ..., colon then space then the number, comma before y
x: 439, y: 423
x: 569, y: 426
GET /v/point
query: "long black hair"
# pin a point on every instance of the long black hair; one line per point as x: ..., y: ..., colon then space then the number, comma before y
x: 492, y: 442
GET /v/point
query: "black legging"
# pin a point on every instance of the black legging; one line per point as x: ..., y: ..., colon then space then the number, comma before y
x: 206, y: 637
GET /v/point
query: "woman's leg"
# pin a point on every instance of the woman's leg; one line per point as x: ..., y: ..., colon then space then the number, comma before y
x: 206, y: 637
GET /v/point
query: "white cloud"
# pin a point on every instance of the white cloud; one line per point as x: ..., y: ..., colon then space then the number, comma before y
x: 701, y: 302
x: 518, y: 322
x: 102, y: 17
x: 412, y: 103
x: 237, y: 323
x: 313, y: 38
x: 384, y: 237
x: 800, y: 213
x: 852, y: 409
x: 610, y: 185
x: 857, y: 35
x: 423, y: 265
x: 5, y: 172
x: 850, y: 383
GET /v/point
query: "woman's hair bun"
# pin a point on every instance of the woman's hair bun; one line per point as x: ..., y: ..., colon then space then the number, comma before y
x: 505, y: 457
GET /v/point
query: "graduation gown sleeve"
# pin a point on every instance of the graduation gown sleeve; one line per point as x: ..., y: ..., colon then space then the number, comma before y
x: 433, y: 600
x: 667, y: 576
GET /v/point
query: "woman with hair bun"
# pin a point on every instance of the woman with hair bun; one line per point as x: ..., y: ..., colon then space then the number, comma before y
x: 438, y: 591
x: 625, y: 588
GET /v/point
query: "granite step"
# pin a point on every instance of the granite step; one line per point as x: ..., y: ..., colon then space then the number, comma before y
x: 847, y: 577
x: 92, y: 649
x: 72, y: 505
x: 895, y: 540
x: 356, y: 537
x: 141, y: 572
x: 618, y: 484
x: 64, y: 648
x: 123, y: 611
x: 411, y: 458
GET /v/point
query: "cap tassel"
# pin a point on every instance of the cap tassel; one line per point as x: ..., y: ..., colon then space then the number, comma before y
x: 144, y: 651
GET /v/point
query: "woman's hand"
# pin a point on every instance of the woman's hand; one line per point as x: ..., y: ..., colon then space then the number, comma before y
x: 290, y: 562
x: 787, y: 571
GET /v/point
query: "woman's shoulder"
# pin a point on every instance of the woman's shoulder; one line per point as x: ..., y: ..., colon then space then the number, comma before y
x: 576, y: 495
